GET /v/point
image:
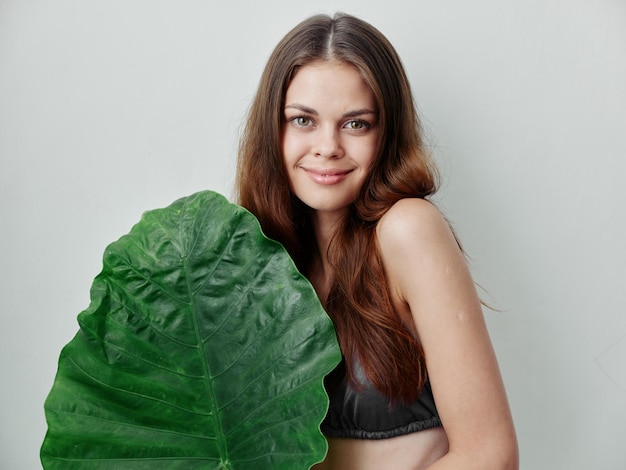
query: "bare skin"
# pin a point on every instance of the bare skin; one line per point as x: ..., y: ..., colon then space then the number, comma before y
x: 414, y: 451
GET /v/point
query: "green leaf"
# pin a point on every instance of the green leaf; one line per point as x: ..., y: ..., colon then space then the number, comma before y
x: 202, y: 347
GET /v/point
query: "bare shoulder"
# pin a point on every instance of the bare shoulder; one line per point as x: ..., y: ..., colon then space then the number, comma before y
x: 413, y: 222
x: 419, y: 251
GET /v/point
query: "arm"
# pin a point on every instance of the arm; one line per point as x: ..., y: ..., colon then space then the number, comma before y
x: 430, y: 280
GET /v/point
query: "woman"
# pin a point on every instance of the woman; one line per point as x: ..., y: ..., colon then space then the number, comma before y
x: 333, y: 166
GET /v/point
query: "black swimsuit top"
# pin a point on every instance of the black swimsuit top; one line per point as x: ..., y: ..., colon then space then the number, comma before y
x: 366, y: 414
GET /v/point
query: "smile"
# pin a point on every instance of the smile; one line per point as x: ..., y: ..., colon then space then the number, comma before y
x: 326, y: 176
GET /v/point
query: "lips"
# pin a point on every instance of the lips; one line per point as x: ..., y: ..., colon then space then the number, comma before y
x: 326, y: 176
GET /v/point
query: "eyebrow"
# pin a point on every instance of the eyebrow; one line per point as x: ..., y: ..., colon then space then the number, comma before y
x: 349, y: 114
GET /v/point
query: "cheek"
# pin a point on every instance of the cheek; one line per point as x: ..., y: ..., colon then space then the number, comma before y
x: 369, y: 154
x: 288, y: 160
x: 285, y: 150
x: 292, y: 149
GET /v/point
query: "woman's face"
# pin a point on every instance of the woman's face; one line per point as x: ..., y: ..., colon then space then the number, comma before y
x: 330, y: 135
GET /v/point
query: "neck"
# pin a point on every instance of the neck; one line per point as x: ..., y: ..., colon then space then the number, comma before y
x: 325, y: 225
x: 321, y: 273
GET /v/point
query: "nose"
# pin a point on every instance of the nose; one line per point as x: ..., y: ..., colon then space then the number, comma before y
x: 328, y: 143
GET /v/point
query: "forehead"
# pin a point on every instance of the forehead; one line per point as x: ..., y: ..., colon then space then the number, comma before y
x: 327, y: 82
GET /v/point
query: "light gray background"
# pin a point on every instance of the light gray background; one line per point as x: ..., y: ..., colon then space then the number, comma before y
x: 110, y: 108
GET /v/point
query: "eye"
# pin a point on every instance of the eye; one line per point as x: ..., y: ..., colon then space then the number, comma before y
x: 357, y: 125
x: 302, y: 121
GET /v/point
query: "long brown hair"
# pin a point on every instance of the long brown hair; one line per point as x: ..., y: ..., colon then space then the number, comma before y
x: 367, y: 325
